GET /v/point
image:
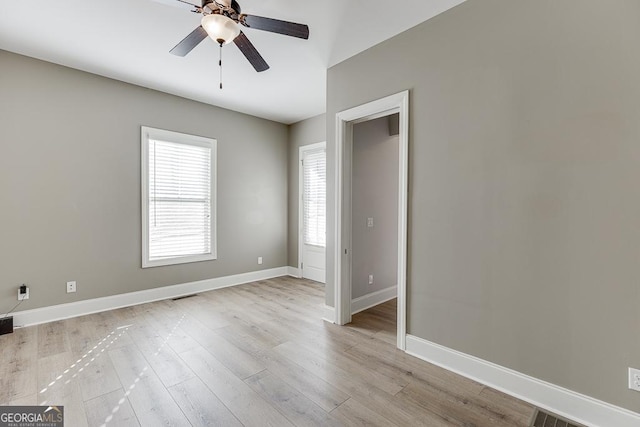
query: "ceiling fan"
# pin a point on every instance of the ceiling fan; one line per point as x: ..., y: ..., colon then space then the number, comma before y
x: 222, y: 21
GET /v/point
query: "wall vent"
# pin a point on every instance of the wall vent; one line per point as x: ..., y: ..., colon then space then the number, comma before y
x: 183, y: 297
x: 545, y: 419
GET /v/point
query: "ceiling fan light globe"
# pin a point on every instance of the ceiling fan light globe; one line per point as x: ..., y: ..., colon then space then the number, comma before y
x: 220, y: 27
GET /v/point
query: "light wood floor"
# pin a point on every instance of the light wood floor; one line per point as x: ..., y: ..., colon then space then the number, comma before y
x: 253, y: 355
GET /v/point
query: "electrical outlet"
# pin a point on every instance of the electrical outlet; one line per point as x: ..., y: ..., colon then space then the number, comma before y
x: 23, y: 293
x: 370, y: 222
x: 71, y: 287
x: 259, y: 260
x: 371, y: 279
x: 634, y: 379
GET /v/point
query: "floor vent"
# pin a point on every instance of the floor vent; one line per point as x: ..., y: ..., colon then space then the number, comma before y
x: 545, y: 419
x: 183, y: 297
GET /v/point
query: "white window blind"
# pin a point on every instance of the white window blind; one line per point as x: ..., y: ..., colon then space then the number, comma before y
x: 179, y: 195
x: 314, y: 197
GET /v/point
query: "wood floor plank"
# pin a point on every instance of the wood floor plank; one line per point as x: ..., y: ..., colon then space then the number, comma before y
x: 289, y: 301
x: 150, y: 400
x: 204, y: 310
x: 314, y: 388
x: 242, y: 340
x: 62, y: 389
x: 111, y: 409
x: 390, y: 378
x: 390, y: 359
x: 111, y: 322
x: 155, y: 348
x: 353, y: 413
x: 19, y: 354
x: 98, y: 377
x: 313, y: 335
x: 81, y: 334
x: 85, y: 332
x: 373, y: 398
x: 319, y: 391
x: 241, y: 363
x: 52, y: 339
x: 346, y: 335
x: 519, y: 412
x: 261, y: 333
x: 31, y: 400
x: 311, y: 287
x: 183, y: 338
x: 294, y: 405
x: 242, y: 401
x: 201, y: 406
x: 464, y: 409
x: 320, y: 368
x: 300, y: 331
x: 174, y: 326
x: 339, y: 373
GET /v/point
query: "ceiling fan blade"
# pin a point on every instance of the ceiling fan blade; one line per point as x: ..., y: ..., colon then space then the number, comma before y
x: 189, y: 42
x: 277, y: 26
x: 250, y: 52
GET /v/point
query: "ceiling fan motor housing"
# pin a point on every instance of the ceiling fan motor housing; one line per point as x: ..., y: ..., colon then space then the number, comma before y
x: 229, y: 8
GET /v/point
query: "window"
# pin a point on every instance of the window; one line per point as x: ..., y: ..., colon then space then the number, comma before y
x: 314, y: 197
x: 178, y: 198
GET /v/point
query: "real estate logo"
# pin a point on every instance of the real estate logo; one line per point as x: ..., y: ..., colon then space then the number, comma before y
x: 31, y: 416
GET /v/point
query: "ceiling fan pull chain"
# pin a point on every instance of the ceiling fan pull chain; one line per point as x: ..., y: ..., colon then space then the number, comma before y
x: 220, y: 65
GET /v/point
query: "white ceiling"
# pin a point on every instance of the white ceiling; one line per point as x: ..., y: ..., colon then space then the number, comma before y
x: 129, y: 40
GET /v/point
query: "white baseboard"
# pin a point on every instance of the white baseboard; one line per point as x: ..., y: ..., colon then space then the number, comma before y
x: 561, y: 401
x: 329, y: 314
x: 374, y: 298
x: 293, y: 271
x: 95, y: 305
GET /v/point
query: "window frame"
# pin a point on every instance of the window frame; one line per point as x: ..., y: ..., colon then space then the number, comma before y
x: 147, y: 134
x: 304, y: 152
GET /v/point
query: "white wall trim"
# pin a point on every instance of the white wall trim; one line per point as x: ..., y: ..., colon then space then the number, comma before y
x: 374, y: 298
x: 344, y: 120
x: 329, y: 314
x: 293, y: 272
x: 566, y: 403
x: 95, y: 305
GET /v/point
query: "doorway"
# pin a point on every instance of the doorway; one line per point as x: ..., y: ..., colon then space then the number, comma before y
x: 312, y: 212
x: 345, y: 121
x: 374, y: 213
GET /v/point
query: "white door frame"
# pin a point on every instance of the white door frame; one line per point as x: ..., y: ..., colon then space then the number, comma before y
x: 301, y: 151
x: 398, y: 103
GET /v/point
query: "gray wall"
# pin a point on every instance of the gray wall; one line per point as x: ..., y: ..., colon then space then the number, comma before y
x: 375, y: 195
x: 302, y: 133
x: 524, y: 171
x: 70, y: 184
